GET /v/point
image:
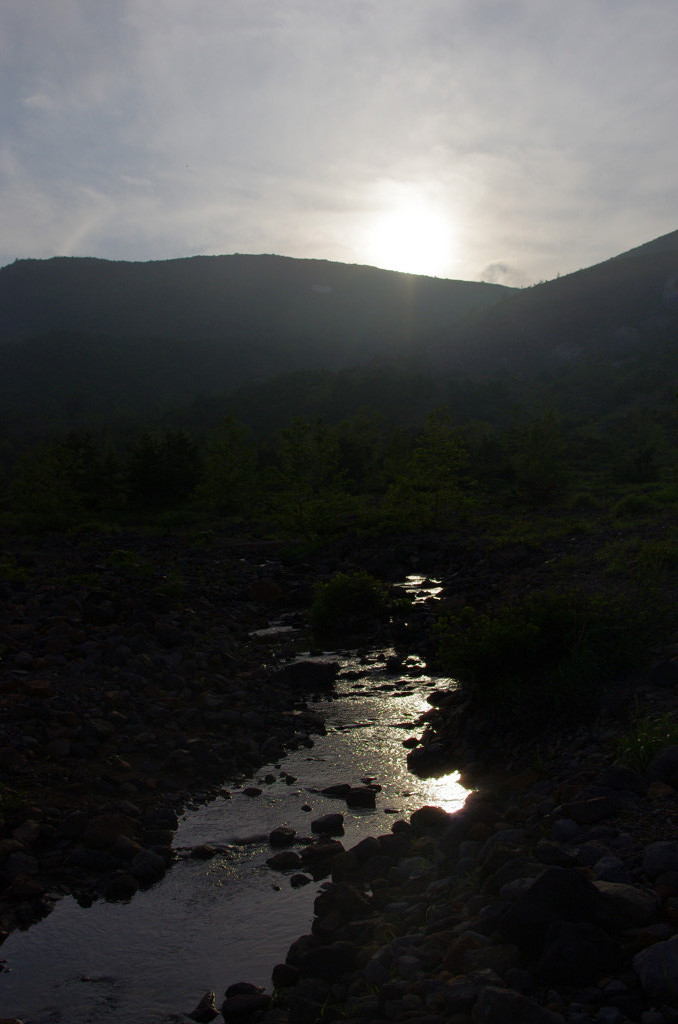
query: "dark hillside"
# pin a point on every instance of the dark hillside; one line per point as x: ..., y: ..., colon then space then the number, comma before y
x: 610, y: 310
x: 268, y: 301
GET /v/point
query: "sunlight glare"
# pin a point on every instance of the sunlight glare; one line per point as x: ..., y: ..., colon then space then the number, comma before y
x: 412, y: 234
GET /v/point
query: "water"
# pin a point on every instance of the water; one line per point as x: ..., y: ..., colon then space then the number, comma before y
x: 208, y: 924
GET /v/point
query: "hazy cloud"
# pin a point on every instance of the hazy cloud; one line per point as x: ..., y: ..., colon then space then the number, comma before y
x: 542, y: 133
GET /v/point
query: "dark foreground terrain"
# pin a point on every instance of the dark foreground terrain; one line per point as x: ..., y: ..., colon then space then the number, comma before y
x: 131, y: 683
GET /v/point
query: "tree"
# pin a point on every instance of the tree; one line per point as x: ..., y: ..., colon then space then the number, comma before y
x: 308, y: 477
x: 429, y: 489
x: 163, y: 470
x: 230, y: 465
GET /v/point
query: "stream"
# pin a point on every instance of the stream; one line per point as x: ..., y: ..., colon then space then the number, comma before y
x: 210, y: 923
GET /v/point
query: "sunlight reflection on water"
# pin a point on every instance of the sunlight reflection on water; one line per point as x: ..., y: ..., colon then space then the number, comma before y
x: 208, y: 924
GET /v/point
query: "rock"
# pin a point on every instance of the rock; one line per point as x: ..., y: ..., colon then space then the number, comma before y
x: 429, y: 820
x: 122, y: 886
x: 611, y: 869
x: 504, y: 1006
x: 339, y: 790
x: 664, y: 674
x: 283, y: 835
x: 284, y: 976
x: 577, y: 953
x: 361, y: 796
x: 329, y: 962
x: 664, y: 766
x: 310, y: 675
x: 657, y: 968
x: 558, y: 894
x: 553, y: 854
x: 252, y: 791
x: 298, y: 881
x: 251, y: 1006
x: 619, y: 777
x: 206, y: 1009
x: 204, y: 852
x: 286, y: 860
x: 148, y: 866
x: 242, y: 988
x: 633, y: 907
x: 102, y: 831
x: 20, y: 863
x: 660, y: 857
x: 329, y: 825
x: 588, y: 812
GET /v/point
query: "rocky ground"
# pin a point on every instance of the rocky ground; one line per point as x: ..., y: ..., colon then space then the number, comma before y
x: 550, y: 897
x: 131, y: 683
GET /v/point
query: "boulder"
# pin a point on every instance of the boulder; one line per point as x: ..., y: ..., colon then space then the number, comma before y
x: 286, y: 860
x: 664, y: 766
x: 206, y: 1009
x: 504, y: 1006
x: 283, y: 835
x: 558, y: 894
x: 329, y: 825
x: 632, y: 907
x: 657, y: 968
x: 249, y: 1006
x: 660, y: 857
x: 361, y: 796
x: 329, y: 962
x: 577, y: 953
x: 309, y: 675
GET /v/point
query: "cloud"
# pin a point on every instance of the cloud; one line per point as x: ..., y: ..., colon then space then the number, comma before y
x: 151, y: 128
x: 501, y: 272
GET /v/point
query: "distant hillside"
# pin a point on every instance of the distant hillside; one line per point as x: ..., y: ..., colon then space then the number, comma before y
x: 90, y: 337
x: 615, y: 309
x: 88, y: 341
x: 265, y: 301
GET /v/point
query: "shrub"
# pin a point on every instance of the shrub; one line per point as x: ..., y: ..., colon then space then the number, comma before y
x: 349, y: 602
x: 646, y: 735
x: 547, y: 655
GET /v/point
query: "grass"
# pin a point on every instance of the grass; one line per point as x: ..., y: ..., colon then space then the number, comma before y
x: 646, y: 735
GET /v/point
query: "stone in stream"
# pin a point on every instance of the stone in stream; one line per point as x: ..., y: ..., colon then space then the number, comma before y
x: 310, y: 675
x: 206, y: 1009
x: 244, y: 1002
x: 329, y: 824
x: 286, y: 860
x: 361, y: 796
x: 283, y: 835
x: 284, y: 976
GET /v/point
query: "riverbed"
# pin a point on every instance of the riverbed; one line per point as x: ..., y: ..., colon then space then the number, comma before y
x: 210, y: 923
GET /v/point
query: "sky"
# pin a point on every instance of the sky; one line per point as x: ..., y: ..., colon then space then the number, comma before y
x: 499, y: 140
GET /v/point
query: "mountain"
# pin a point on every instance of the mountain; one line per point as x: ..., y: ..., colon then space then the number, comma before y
x: 331, y: 309
x: 83, y: 341
x: 622, y: 307
x: 87, y: 336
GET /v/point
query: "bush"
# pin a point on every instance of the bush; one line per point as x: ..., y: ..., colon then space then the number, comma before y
x: 546, y: 656
x: 349, y: 602
x: 645, y: 737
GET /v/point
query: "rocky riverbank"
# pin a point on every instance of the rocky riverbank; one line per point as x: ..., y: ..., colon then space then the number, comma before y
x: 130, y: 683
x: 547, y: 899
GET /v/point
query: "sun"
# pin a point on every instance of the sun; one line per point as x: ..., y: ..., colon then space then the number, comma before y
x: 411, y: 234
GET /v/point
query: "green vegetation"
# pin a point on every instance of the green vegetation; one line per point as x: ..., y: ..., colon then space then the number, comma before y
x: 349, y: 602
x: 547, y: 654
x: 645, y: 736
